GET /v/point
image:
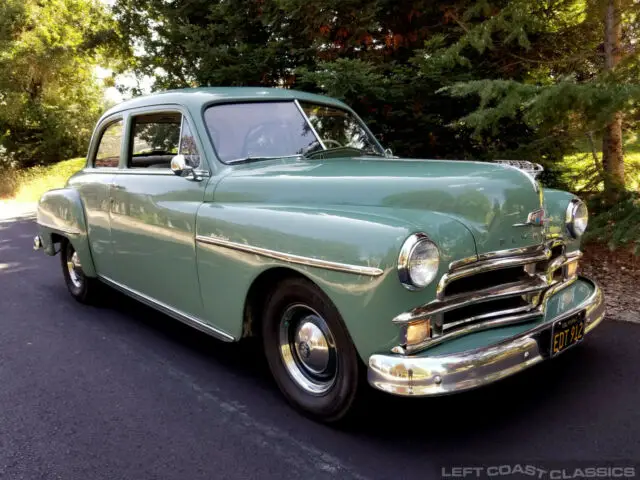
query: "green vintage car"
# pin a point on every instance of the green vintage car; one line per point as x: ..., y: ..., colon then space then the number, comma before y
x: 277, y: 214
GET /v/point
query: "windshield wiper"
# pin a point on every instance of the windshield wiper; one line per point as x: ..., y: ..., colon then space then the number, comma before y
x: 258, y: 158
x: 334, y: 150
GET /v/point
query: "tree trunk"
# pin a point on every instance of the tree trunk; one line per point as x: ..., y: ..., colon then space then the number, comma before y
x: 612, y: 152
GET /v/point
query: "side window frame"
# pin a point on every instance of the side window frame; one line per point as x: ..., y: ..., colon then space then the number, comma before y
x: 128, y: 137
x: 200, y: 155
x: 128, y: 157
x: 97, y: 139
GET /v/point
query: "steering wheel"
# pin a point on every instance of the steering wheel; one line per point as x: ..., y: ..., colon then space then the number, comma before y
x: 330, y: 141
x: 266, y: 139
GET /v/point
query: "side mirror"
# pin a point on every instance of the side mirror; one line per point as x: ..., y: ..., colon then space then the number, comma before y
x: 389, y: 153
x: 179, y: 166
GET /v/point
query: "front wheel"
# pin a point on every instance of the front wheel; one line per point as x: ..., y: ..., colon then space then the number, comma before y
x: 81, y: 287
x: 309, y: 351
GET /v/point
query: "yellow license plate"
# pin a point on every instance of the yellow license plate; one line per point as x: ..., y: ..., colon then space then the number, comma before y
x: 566, y: 333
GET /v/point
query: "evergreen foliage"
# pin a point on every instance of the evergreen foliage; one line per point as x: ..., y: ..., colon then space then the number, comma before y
x: 617, y: 225
x: 466, y: 79
x: 550, y: 69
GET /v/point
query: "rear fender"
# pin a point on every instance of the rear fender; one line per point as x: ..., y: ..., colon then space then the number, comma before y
x: 61, y: 214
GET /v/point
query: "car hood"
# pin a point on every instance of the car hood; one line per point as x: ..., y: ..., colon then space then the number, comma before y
x: 489, y: 199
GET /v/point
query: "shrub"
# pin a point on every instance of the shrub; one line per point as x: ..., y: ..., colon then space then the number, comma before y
x: 617, y: 226
x: 27, y: 185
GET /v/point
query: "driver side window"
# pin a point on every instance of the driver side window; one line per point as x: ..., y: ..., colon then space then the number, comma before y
x: 155, y: 139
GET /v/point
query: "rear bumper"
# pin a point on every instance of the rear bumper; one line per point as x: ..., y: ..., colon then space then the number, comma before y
x: 437, y: 375
x: 37, y: 242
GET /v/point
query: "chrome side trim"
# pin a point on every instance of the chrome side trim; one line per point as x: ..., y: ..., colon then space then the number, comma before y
x: 108, y: 170
x: 291, y: 258
x: 438, y: 375
x: 68, y: 231
x: 169, y: 310
x: 145, y: 171
x: 141, y: 171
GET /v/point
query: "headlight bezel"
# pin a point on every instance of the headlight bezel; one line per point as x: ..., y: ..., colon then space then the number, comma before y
x: 571, y: 215
x: 404, y: 261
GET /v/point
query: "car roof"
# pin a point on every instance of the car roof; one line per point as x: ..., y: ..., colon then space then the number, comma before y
x: 195, y: 97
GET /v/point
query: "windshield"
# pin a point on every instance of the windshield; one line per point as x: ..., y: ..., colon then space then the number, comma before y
x: 257, y: 130
x: 338, y: 128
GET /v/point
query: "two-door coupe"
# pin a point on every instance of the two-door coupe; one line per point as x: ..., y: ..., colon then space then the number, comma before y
x: 276, y: 213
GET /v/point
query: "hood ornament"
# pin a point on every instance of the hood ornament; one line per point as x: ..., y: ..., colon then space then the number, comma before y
x: 534, y: 219
x: 532, y: 169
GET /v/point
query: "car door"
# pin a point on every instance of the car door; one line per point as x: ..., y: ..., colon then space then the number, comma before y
x: 153, y: 211
x: 94, y: 188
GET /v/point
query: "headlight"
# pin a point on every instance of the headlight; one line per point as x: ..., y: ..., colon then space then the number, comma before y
x: 418, y: 262
x: 577, y: 218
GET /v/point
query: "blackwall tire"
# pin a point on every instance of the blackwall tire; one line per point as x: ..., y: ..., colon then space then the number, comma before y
x: 309, y: 351
x: 82, y: 288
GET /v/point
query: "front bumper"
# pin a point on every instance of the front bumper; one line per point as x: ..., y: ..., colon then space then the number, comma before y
x: 442, y: 374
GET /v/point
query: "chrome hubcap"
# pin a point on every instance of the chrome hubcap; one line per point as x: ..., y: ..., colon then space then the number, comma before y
x: 311, y: 347
x: 75, y: 269
x: 308, y: 349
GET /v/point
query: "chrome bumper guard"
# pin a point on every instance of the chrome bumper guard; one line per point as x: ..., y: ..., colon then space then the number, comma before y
x: 438, y: 375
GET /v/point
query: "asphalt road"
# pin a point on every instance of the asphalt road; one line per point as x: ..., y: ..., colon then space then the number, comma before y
x: 122, y: 392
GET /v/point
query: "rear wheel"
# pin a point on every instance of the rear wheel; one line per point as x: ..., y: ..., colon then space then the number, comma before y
x: 309, y: 351
x: 81, y: 287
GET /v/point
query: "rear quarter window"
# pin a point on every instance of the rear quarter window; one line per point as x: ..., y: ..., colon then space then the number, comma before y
x: 108, y: 153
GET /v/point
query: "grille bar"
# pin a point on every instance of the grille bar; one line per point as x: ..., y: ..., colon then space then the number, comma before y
x: 534, y: 284
x: 454, y: 325
x: 488, y: 265
x: 477, y: 327
x: 519, y: 286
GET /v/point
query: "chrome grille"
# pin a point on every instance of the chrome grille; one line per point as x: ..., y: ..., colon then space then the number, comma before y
x: 496, y: 289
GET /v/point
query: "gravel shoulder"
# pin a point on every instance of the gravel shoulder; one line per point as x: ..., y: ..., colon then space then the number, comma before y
x: 618, y: 273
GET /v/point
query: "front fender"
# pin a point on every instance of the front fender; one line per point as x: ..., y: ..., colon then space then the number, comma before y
x: 61, y: 213
x: 362, y: 236
x: 555, y: 205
